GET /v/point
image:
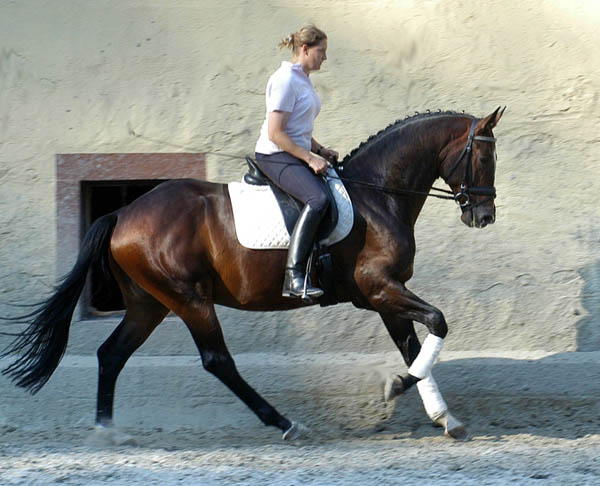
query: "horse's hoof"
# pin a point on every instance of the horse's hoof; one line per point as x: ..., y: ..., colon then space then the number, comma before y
x: 453, y: 428
x: 457, y: 433
x: 392, y: 388
x: 108, y: 436
x: 296, y: 431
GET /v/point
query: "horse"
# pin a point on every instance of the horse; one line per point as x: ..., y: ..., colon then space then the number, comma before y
x: 175, y: 249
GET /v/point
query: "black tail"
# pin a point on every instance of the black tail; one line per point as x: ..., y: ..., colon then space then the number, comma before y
x: 43, y: 343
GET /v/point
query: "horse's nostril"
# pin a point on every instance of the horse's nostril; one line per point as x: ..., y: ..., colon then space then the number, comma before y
x: 488, y: 219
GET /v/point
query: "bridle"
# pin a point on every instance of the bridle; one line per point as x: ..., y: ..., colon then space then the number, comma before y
x: 466, y: 187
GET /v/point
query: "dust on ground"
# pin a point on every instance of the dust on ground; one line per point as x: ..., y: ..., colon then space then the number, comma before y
x: 560, y: 449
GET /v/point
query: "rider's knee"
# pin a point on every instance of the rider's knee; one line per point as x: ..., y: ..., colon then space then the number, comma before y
x: 318, y: 202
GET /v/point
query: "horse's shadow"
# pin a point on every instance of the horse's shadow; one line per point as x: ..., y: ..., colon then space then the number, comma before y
x: 555, y: 396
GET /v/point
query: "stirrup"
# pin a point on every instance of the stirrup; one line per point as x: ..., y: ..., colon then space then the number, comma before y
x: 309, y: 294
x: 296, y: 284
x: 299, y: 287
x: 314, y: 291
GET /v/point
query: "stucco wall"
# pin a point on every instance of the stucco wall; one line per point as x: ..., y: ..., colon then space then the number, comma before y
x: 189, y: 76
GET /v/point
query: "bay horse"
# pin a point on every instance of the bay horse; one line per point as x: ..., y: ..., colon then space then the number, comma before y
x: 175, y: 249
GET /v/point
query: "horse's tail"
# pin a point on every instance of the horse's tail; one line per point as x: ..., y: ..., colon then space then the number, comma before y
x: 43, y: 343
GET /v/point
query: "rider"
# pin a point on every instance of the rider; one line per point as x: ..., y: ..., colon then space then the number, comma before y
x: 285, y: 149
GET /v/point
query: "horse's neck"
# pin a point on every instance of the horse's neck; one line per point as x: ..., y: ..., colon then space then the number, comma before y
x: 402, y: 165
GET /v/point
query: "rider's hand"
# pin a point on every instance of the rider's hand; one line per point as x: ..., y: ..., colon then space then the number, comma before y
x: 317, y: 164
x: 329, y: 155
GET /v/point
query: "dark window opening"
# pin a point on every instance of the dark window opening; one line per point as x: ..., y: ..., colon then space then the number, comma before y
x: 99, y: 198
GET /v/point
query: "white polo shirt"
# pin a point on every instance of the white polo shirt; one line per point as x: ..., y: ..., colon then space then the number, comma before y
x: 290, y: 89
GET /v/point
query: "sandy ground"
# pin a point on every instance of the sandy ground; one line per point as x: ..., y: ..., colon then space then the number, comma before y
x: 390, y: 456
x: 532, y: 420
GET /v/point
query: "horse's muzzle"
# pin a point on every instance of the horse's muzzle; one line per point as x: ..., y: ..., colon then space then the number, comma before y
x: 478, y: 217
x: 485, y: 220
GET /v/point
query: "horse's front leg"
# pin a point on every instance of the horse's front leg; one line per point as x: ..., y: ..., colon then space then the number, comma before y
x: 404, y: 336
x: 394, y: 299
x: 398, y: 304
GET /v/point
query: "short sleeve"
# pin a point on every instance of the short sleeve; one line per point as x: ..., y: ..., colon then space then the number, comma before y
x: 280, y: 94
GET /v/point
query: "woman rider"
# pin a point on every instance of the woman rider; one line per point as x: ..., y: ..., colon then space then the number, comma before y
x: 285, y: 150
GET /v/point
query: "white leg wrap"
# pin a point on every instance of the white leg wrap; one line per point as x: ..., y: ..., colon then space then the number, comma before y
x: 434, y: 403
x: 430, y: 350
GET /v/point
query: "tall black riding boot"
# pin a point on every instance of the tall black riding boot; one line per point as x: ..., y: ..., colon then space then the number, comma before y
x: 301, y: 243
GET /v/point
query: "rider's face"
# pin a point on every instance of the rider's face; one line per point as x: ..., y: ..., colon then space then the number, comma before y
x: 313, y: 57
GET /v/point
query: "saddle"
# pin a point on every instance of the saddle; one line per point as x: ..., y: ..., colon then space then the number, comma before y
x: 290, y: 210
x: 290, y: 206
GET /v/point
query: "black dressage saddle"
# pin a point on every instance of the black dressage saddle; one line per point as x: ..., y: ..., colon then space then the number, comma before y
x: 291, y: 207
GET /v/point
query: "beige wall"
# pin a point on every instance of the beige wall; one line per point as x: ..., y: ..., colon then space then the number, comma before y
x: 79, y: 76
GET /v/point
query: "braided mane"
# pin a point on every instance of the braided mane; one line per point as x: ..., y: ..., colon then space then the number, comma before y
x: 397, y: 124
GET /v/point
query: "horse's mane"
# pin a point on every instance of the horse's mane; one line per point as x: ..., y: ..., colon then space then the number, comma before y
x: 373, y: 139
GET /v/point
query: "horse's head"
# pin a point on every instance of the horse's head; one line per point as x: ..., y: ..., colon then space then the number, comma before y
x: 468, y: 167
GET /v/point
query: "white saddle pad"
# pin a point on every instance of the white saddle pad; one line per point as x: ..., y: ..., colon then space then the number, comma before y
x: 259, y: 223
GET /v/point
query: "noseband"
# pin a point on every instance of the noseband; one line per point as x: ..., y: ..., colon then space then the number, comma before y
x: 466, y: 188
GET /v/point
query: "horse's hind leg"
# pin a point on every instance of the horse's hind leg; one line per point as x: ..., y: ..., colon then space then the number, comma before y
x: 201, y: 320
x: 142, y: 316
x: 404, y: 336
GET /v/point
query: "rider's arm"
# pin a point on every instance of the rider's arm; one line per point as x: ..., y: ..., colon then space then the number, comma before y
x: 277, y: 123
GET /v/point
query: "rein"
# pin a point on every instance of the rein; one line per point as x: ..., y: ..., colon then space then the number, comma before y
x: 462, y: 198
x: 392, y: 190
x: 466, y: 189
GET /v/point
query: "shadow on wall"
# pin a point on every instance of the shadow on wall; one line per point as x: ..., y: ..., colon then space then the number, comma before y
x: 588, y: 328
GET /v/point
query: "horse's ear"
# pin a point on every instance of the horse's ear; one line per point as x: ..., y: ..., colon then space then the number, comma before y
x: 492, y: 120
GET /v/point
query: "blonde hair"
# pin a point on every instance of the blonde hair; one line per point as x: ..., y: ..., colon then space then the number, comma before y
x: 307, y: 34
